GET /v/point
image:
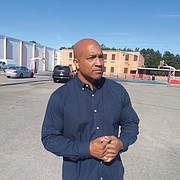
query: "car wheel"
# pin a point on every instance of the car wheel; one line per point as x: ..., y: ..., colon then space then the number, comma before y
x: 8, y: 76
x: 32, y: 75
x: 55, y: 80
x: 21, y: 75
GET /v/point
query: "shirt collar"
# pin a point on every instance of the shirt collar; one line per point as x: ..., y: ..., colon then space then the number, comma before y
x: 97, y: 84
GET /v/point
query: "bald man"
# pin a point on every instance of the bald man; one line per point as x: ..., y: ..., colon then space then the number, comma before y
x: 83, y: 117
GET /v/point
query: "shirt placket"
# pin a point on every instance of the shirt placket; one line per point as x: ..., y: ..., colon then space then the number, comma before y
x: 98, y: 126
x: 97, y: 122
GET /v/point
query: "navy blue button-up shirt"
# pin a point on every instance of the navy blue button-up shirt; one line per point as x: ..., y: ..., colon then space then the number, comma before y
x: 76, y: 115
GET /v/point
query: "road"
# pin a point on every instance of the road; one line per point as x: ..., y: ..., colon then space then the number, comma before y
x: 155, y: 156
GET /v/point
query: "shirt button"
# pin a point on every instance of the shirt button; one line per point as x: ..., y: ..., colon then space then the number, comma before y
x: 95, y: 110
x: 101, y: 178
x: 101, y: 162
x: 97, y: 127
x: 83, y: 89
x: 93, y: 95
x: 86, y: 85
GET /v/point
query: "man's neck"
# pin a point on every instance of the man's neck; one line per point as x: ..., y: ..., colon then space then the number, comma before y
x: 87, y: 81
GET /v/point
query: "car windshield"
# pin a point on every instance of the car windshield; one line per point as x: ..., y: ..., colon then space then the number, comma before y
x: 15, y: 67
x: 61, y: 68
x: 12, y: 68
x: 18, y: 68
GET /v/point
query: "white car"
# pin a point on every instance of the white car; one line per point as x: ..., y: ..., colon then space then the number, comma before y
x: 18, y: 71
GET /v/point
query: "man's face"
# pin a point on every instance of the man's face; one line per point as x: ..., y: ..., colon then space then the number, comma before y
x: 91, y: 62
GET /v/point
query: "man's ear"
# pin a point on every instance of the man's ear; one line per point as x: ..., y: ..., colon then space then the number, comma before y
x: 76, y: 63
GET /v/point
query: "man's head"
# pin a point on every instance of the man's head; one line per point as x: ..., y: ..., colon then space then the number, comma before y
x: 88, y: 59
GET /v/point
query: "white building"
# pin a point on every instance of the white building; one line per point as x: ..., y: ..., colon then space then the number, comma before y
x: 29, y: 54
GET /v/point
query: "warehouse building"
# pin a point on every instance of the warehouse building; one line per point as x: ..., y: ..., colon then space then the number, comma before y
x: 32, y: 55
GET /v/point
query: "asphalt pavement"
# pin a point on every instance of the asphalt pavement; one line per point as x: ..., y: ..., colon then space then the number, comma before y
x: 155, y: 155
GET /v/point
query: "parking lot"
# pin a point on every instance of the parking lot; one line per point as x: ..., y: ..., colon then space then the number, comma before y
x: 155, y: 156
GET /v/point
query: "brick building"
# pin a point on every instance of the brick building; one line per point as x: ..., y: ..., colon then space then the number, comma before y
x: 117, y: 63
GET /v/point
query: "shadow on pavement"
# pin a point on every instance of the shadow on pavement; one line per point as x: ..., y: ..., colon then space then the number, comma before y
x: 25, y: 82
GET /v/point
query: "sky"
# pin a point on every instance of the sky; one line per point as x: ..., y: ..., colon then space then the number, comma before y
x: 115, y: 23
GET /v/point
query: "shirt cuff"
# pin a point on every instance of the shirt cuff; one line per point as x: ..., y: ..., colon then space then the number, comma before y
x: 84, y: 149
x: 125, y: 142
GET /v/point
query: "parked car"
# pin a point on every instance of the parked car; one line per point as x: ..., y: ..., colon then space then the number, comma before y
x: 62, y: 73
x: 18, y: 71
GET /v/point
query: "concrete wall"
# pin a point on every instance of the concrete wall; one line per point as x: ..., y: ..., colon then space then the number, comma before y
x: 27, y: 53
x: 2, y: 47
x: 13, y: 50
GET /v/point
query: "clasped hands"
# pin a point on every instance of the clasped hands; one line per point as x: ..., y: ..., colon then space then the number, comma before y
x: 105, y: 148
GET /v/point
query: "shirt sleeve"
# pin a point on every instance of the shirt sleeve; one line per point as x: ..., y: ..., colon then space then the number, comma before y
x: 52, y: 133
x: 128, y: 123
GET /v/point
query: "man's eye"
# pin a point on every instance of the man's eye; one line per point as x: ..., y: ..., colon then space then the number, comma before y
x: 91, y: 57
x: 101, y: 56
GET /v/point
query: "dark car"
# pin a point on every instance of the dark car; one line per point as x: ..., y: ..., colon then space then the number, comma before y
x: 62, y: 73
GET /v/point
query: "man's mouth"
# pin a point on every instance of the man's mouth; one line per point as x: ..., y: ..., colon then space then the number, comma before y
x: 98, y: 70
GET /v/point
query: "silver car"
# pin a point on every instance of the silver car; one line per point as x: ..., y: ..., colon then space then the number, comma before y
x: 18, y: 71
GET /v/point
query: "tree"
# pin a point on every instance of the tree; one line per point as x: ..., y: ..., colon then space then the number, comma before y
x: 168, y: 58
x: 34, y: 42
x: 104, y: 47
x: 137, y: 49
x: 177, y: 62
x: 129, y: 49
x: 152, y: 58
x: 62, y: 48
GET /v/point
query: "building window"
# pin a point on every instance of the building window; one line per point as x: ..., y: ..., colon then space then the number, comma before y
x: 70, y: 55
x: 132, y: 71
x: 135, y: 57
x: 112, y: 69
x: 125, y: 70
x: 127, y: 57
x: 113, y: 56
x: 104, y: 69
x: 105, y: 56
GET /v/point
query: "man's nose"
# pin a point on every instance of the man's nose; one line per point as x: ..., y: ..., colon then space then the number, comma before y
x: 99, y: 61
